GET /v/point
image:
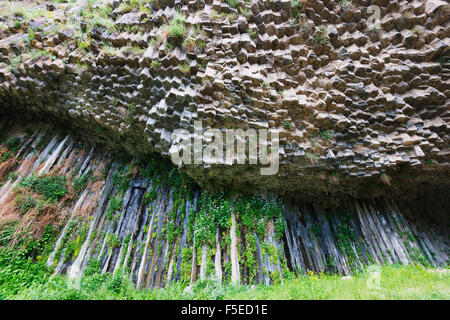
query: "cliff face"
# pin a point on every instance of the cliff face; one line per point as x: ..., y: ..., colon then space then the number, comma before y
x: 145, y: 220
x: 357, y: 89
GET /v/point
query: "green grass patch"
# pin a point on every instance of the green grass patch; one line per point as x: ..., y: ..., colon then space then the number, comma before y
x: 33, y: 281
x: 52, y: 187
x: 24, y: 275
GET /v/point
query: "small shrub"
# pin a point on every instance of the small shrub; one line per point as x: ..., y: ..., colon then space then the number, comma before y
x: 245, y: 12
x: 312, y: 158
x: 287, y: 125
x: 155, y: 64
x: 184, y: 67
x: 296, y: 6
x: 253, y: 33
x: 13, y: 144
x: 177, y: 30
x: 326, y: 134
x: 115, y: 204
x: 25, y: 203
x: 346, y: 3
x: 115, y: 283
x: 321, y: 36
x: 81, y: 182
x: 52, y: 187
x: 233, y: 3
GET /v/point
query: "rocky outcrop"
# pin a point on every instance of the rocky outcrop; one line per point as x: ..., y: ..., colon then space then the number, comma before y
x: 356, y: 100
x: 145, y: 220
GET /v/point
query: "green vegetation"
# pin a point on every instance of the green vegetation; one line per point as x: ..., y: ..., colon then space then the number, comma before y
x: 287, y: 125
x: 254, y: 212
x: 115, y: 204
x: 126, y: 50
x: 233, y: 3
x: 25, y: 203
x: 131, y: 113
x: 99, y: 17
x: 52, y: 187
x: 184, y: 67
x: 321, y: 35
x: 72, y: 240
x: 23, y: 266
x: 155, y: 64
x: 177, y: 30
x: 16, y: 9
x: 311, y: 157
x: 141, y: 5
x: 122, y: 177
x: 346, y: 4
x: 296, y: 8
x: 222, y: 15
x: 193, y: 44
x: 81, y: 182
x: 253, y: 33
x: 22, y: 277
x: 245, y: 12
x: 345, y: 237
x: 326, y: 135
x: 10, y: 147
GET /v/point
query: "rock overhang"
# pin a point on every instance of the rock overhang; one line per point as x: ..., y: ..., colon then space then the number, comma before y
x: 353, y: 107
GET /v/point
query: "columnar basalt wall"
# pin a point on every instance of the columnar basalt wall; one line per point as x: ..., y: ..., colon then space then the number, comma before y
x: 154, y: 225
x: 354, y: 104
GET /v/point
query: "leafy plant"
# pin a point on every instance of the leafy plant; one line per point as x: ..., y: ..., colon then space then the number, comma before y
x: 176, y: 31
x: 155, y: 64
x: 11, y: 145
x: 184, y: 67
x: 233, y: 3
x: 287, y: 125
x: 25, y: 203
x: 346, y: 3
x: 326, y: 134
x: 52, y: 187
x: 296, y: 7
x: 321, y: 35
x: 311, y: 157
x: 81, y: 182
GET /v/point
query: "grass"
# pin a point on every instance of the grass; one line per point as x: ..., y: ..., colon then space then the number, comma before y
x: 24, y: 275
x: 346, y: 3
x: 296, y: 7
x: 321, y: 35
x: 177, y: 27
x: 184, y: 67
x: 30, y: 281
x: 18, y: 10
x: 127, y: 50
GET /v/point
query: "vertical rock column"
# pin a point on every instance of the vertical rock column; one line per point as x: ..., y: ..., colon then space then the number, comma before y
x: 235, y: 276
x: 218, y: 258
